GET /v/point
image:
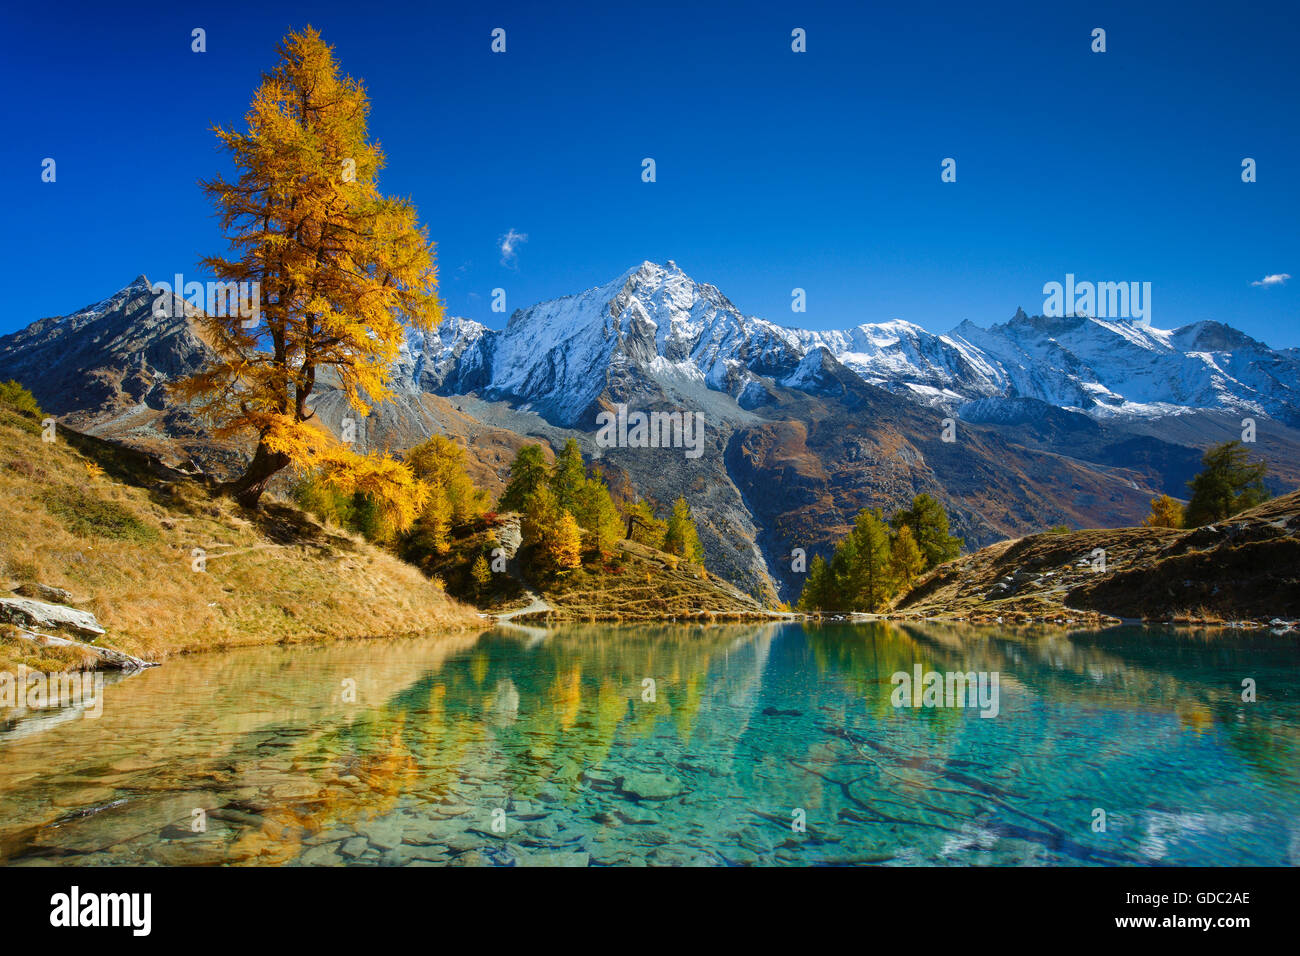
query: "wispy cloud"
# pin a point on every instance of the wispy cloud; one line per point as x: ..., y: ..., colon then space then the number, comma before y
x: 1277, y: 278
x: 510, y: 244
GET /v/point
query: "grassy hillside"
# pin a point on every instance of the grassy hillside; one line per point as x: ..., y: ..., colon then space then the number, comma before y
x: 118, y: 531
x: 633, y: 583
x: 1245, y: 568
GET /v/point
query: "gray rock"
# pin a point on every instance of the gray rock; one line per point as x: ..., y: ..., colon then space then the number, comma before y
x: 650, y: 786
x: 44, y: 592
x: 355, y: 847
x: 28, y: 613
x: 551, y: 858
x: 326, y: 855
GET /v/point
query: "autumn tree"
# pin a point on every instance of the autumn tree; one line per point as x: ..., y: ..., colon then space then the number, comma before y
x: 440, y: 462
x: 564, y: 547
x: 528, y: 472
x: 481, y: 572
x: 594, y: 509
x: 645, y: 527
x: 541, y: 517
x: 340, y: 269
x: 1229, y: 482
x: 434, y: 524
x: 906, y: 561
x: 1166, y: 512
x: 680, y: 536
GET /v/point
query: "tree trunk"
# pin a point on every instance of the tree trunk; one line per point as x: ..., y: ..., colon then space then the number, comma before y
x: 248, y: 488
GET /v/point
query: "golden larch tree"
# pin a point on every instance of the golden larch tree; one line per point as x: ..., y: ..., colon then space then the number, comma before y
x: 341, y: 268
x: 1166, y: 512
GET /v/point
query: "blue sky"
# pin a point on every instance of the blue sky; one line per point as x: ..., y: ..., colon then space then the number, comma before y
x: 775, y: 170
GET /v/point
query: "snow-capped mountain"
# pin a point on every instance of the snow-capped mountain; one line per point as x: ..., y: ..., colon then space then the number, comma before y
x: 1075, y: 420
x: 557, y: 357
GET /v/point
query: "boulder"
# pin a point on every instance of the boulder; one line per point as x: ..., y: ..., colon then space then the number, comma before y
x: 29, y: 613
x: 44, y: 592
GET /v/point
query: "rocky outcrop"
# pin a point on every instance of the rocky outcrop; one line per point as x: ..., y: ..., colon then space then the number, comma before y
x: 1244, y: 569
x: 24, y: 611
x: 109, y: 657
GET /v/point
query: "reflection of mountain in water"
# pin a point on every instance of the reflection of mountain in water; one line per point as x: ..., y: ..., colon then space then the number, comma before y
x: 746, y: 725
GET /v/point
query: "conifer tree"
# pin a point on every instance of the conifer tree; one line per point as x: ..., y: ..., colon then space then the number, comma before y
x: 1228, y: 483
x: 435, y: 520
x: 564, y: 549
x: 567, y: 475
x: 844, y: 576
x: 541, y: 517
x: 905, y: 559
x: 594, y: 509
x: 645, y: 527
x: 1166, y: 512
x: 871, y: 581
x: 481, y: 572
x: 440, y: 462
x: 815, y: 594
x: 528, y: 472
x: 340, y: 269
x: 680, y: 537
x: 929, y: 524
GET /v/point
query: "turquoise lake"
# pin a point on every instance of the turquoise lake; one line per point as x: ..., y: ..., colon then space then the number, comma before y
x: 770, y: 744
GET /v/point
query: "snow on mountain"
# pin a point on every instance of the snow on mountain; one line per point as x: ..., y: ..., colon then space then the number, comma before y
x: 557, y: 357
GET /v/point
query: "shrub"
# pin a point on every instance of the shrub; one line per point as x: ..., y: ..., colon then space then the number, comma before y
x: 20, y: 400
x: 85, y: 514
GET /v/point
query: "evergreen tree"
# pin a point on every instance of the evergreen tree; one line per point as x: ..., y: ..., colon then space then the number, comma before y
x: 1228, y: 483
x: 681, y: 538
x: 528, y: 472
x: 815, y: 595
x: 844, y: 576
x: 871, y: 581
x: 929, y: 524
x: 1166, y: 512
x: 568, y: 475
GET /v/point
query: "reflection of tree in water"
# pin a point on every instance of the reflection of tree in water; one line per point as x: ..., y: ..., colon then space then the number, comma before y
x: 528, y: 714
x: 521, y: 713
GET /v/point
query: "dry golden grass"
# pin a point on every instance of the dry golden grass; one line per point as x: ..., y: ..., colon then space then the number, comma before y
x: 99, y: 521
x: 15, y: 650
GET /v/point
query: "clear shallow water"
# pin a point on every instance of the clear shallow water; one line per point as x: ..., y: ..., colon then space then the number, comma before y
x: 546, y: 732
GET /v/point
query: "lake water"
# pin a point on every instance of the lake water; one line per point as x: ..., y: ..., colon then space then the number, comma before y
x: 736, y: 744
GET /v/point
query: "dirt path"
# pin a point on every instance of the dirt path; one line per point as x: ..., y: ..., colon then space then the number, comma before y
x: 536, y: 605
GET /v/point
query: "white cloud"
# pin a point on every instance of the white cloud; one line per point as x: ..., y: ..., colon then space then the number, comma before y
x: 1277, y: 278
x: 510, y: 244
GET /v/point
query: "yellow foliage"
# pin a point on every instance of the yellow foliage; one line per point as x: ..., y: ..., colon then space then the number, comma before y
x: 565, y: 546
x: 340, y: 270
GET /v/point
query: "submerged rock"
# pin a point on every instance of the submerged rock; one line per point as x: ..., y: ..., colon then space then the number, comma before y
x: 650, y: 786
